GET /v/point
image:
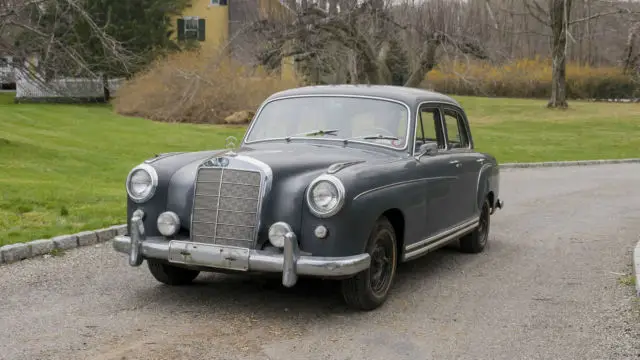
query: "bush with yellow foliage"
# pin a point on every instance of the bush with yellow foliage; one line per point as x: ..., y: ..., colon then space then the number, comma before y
x: 530, y: 78
x: 197, y: 87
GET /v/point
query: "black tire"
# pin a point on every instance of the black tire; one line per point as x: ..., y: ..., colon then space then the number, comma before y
x: 475, y: 242
x: 369, y: 289
x: 171, y: 275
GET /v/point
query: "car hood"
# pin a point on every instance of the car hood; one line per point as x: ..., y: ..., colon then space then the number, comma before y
x: 293, y: 167
x: 296, y: 158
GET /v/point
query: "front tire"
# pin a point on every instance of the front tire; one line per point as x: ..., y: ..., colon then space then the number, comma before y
x: 369, y: 289
x: 171, y: 275
x: 475, y: 242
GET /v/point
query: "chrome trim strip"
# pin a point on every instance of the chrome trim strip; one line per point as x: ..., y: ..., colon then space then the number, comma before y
x: 234, y: 239
x: 446, y: 232
x: 334, y: 168
x: 231, y: 183
x: 401, y: 183
x: 215, y: 225
x: 231, y: 211
x: 266, y: 102
x: 220, y: 223
x: 434, y: 242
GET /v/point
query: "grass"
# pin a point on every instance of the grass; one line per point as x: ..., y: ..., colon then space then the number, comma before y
x: 628, y: 280
x: 63, y: 166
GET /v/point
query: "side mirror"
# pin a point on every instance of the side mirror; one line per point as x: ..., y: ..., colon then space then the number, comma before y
x: 427, y: 149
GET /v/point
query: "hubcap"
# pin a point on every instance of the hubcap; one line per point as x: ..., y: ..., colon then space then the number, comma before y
x: 381, y: 263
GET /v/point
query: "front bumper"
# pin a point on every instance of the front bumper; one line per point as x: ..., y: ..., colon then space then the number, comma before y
x: 290, y: 263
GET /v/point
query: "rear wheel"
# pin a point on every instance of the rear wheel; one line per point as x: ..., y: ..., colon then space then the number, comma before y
x: 476, y: 241
x: 370, y: 288
x: 171, y: 275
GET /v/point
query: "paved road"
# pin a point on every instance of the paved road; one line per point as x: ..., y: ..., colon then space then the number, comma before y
x: 546, y: 288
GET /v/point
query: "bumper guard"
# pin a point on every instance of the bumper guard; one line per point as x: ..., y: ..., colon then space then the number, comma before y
x: 290, y: 263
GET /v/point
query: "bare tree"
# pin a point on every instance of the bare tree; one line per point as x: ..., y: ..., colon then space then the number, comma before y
x: 38, y: 28
x: 372, y: 42
x: 556, y: 16
x: 631, y: 57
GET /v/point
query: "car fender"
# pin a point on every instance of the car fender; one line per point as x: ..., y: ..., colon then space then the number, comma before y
x: 484, y: 184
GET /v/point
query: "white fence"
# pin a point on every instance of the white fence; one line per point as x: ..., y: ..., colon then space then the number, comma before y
x: 31, y: 86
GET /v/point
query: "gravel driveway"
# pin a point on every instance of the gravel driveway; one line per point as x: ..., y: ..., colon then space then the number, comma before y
x: 546, y: 288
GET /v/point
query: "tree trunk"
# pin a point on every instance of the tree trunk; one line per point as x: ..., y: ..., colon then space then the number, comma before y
x: 427, y: 63
x: 559, y: 16
x: 629, y: 59
x: 105, y: 87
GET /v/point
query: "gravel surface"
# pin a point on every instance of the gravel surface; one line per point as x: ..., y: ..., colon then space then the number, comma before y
x: 546, y: 288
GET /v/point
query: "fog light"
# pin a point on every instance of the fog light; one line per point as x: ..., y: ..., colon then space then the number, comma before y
x: 320, y: 232
x: 168, y: 223
x: 277, y: 232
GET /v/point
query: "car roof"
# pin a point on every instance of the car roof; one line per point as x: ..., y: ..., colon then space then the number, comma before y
x: 411, y: 96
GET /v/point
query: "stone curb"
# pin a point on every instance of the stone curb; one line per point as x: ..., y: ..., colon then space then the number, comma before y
x: 636, y: 266
x: 17, y: 252
x: 568, y: 163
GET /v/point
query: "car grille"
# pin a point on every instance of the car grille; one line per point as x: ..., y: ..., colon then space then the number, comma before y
x: 226, y: 207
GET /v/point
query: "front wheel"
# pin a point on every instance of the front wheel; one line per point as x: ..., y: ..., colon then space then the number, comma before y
x: 171, y: 275
x: 369, y: 289
x: 476, y: 241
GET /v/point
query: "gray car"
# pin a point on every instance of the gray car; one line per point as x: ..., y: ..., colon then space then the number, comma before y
x: 339, y: 182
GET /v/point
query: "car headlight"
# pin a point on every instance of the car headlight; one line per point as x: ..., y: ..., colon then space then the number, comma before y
x: 142, y: 182
x: 325, y: 196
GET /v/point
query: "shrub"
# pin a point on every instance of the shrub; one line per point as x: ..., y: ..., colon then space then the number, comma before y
x: 530, y: 78
x: 196, y: 86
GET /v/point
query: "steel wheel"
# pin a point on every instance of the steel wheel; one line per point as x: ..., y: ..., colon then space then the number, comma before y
x: 370, y: 288
x: 476, y: 241
x: 381, y: 269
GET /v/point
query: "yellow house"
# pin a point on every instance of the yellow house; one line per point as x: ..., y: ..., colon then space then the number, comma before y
x: 219, y: 24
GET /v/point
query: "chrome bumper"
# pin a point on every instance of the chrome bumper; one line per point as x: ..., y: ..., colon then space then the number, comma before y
x: 290, y: 263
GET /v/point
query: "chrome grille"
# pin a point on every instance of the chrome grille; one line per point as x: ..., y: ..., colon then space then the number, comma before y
x: 225, y: 207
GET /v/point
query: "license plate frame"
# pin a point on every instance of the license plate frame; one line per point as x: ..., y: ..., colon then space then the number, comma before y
x: 209, y: 255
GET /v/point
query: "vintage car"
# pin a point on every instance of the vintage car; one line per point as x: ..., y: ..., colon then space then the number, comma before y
x: 339, y: 182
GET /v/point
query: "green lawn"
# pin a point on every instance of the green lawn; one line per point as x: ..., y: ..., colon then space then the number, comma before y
x: 64, y: 166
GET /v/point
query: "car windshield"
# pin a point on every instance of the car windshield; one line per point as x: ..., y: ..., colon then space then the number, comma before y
x: 376, y: 121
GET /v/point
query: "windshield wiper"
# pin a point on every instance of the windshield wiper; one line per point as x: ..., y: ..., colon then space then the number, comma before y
x: 372, y: 137
x: 314, y: 133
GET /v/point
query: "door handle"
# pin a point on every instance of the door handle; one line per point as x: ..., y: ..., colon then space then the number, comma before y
x: 456, y: 162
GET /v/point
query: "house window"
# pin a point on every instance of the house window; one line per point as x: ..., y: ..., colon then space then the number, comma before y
x: 191, y: 28
x: 217, y: 2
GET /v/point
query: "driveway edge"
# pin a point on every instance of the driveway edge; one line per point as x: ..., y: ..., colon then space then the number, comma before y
x: 568, y: 163
x: 636, y: 266
x: 21, y: 251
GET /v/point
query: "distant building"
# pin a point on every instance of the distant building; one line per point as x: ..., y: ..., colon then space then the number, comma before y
x: 215, y: 24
